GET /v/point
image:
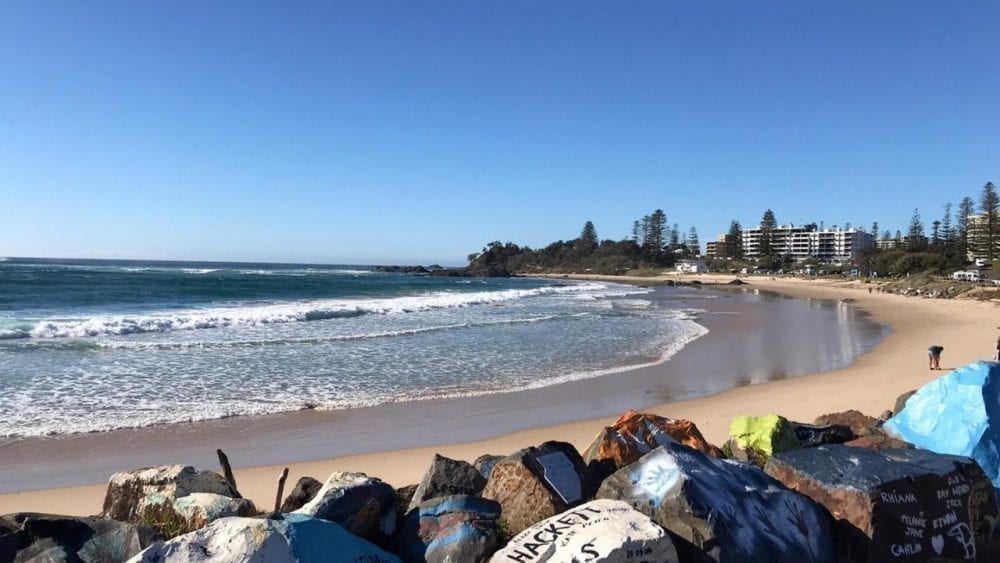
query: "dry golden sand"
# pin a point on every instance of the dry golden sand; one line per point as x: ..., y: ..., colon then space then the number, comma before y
x: 966, y: 329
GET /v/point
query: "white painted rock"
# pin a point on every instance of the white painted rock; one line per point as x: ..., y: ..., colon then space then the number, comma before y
x: 201, y: 508
x: 130, y: 494
x: 598, y: 531
x: 364, y: 505
x: 294, y: 539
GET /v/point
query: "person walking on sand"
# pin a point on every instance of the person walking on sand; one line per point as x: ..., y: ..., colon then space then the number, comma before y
x: 934, y: 352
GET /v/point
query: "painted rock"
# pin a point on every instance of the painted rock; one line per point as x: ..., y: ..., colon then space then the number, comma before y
x: 756, y: 438
x: 150, y: 493
x: 636, y: 434
x: 811, y: 435
x: 304, y: 491
x: 601, y: 530
x: 67, y: 539
x: 292, y: 539
x: 455, y: 528
x: 446, y: 477
x: 860, y: 423
x: 720, y: 510
x: 364, y: 505
x: 900, y: 403
x: 878, y: 441
x: 895, y: 505
x: 956, y: 414
x: 535, y: 483
x: 485, y: 463
x: 199, y: 509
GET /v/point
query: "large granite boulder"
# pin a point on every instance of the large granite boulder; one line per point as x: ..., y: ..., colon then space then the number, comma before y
x: 293, y: 538
x: 446, y: 477
x: 956, y: 414
x: 535, y: 483
x: 304, y: 491
x: 636, y: 434
x: 364, y: 505
x: 898, y: 505
x: 484, y: 463
x: 51, y: 538
x: 601, y: 530
x: 860, y: 423
x: 453, y: 528
x: 755, y: 438
x: 721, y: 510
x: 156, y: 495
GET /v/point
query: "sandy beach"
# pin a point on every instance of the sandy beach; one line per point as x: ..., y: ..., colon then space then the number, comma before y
x: 966, y: 329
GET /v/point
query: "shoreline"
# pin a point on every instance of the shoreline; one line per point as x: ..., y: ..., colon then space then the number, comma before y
x: 870, y: 384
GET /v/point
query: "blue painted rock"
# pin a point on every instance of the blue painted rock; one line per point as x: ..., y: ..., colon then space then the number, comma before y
x: 292, y: 539
x: 68, y: 539
x: 898, y: 505
x: 364, y: 505
x: 956, y: 414
x: 607, y: 531
x: 535, y: 483
x: 446, y: 477
x: 720, y: 510
x: 453, y: 528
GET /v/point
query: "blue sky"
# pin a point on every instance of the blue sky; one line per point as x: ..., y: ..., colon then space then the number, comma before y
x: 374, y: 132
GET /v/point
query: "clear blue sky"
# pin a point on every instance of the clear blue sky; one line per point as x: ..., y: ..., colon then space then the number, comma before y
x: 374, y: 132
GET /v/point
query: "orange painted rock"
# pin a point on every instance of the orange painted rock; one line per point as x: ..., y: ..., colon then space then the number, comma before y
x: 636, y: 434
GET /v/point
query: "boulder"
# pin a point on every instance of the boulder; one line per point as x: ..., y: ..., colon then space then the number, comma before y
x: 900, y: 403
x: 956, y: 414
x: 453, y: 528
x: 364, y: 505
x: 446, y: 477
x: 636, y: 434
x: 133, y: 495
x: 289, y: 539
x: 811, y: 435
x: 898, y: 505
x: 860, y: 423
x: 69, y: 539
x: 720, y: 510
x: 535, y: 483
x: 485, y: 463
x: 404, y: 495
x: 878, y: 442
x: 199, y: 509
x: 601, y: 530
x: 304, y: 491
x: 756, y: 438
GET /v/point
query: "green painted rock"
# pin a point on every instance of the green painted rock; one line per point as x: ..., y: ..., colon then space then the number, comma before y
x: 757, y: 438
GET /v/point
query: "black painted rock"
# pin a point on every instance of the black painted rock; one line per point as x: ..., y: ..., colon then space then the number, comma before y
x: 899, y: 505
x: 485, y: 463
x: 453, y: 528
x: 364, y: 505
x: 304, y: 491
x: 446, y: 477
x: 609, y: 531
x: 535, y: 483
x: 719, y: 510
x: 51, y: 538
x: 810, y: 435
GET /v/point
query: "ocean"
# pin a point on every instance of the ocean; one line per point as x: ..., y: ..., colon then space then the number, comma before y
x: 90, y: 345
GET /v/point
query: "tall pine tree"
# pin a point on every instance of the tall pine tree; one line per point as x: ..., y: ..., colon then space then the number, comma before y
x: 989, y: 207
x: 915, y: 233
x: 966, y: 209
x: 734, y: 241
x: 767, y: 225
x: 694, y: 248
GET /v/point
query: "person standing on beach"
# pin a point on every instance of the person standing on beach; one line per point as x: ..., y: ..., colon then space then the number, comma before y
x: 996, y: 354
x: 934, y: 352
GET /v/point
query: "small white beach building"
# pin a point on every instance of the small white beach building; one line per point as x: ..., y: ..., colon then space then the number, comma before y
x: 691, y: 266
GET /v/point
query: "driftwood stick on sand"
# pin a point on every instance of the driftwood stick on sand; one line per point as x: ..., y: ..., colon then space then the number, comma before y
x: 281, y: 489
x: 227, y: 471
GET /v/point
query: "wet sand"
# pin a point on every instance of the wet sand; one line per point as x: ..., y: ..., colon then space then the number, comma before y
x: 966, y: 330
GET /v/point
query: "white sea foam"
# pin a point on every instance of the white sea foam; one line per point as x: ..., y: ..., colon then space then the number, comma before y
x: 279, y: 313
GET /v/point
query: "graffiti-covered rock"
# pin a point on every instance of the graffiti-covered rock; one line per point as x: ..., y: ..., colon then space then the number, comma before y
x: 446, y: 477
x: 131, y: 494
x: 722, y: 510
x: 535, y: 483
x: 454, y: 528
x: 895, y: 505
x: 756, y: 438
x: 304, y: 491
x: 609, y: 531
x: 291, y: 538
x: 364, y: 505
x: 956, y: 414
x: 636, y: 434
x: 67, y: 539
x: 198, y: 509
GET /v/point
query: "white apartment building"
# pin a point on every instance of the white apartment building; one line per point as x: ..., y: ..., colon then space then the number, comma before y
x: 802, y: 242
